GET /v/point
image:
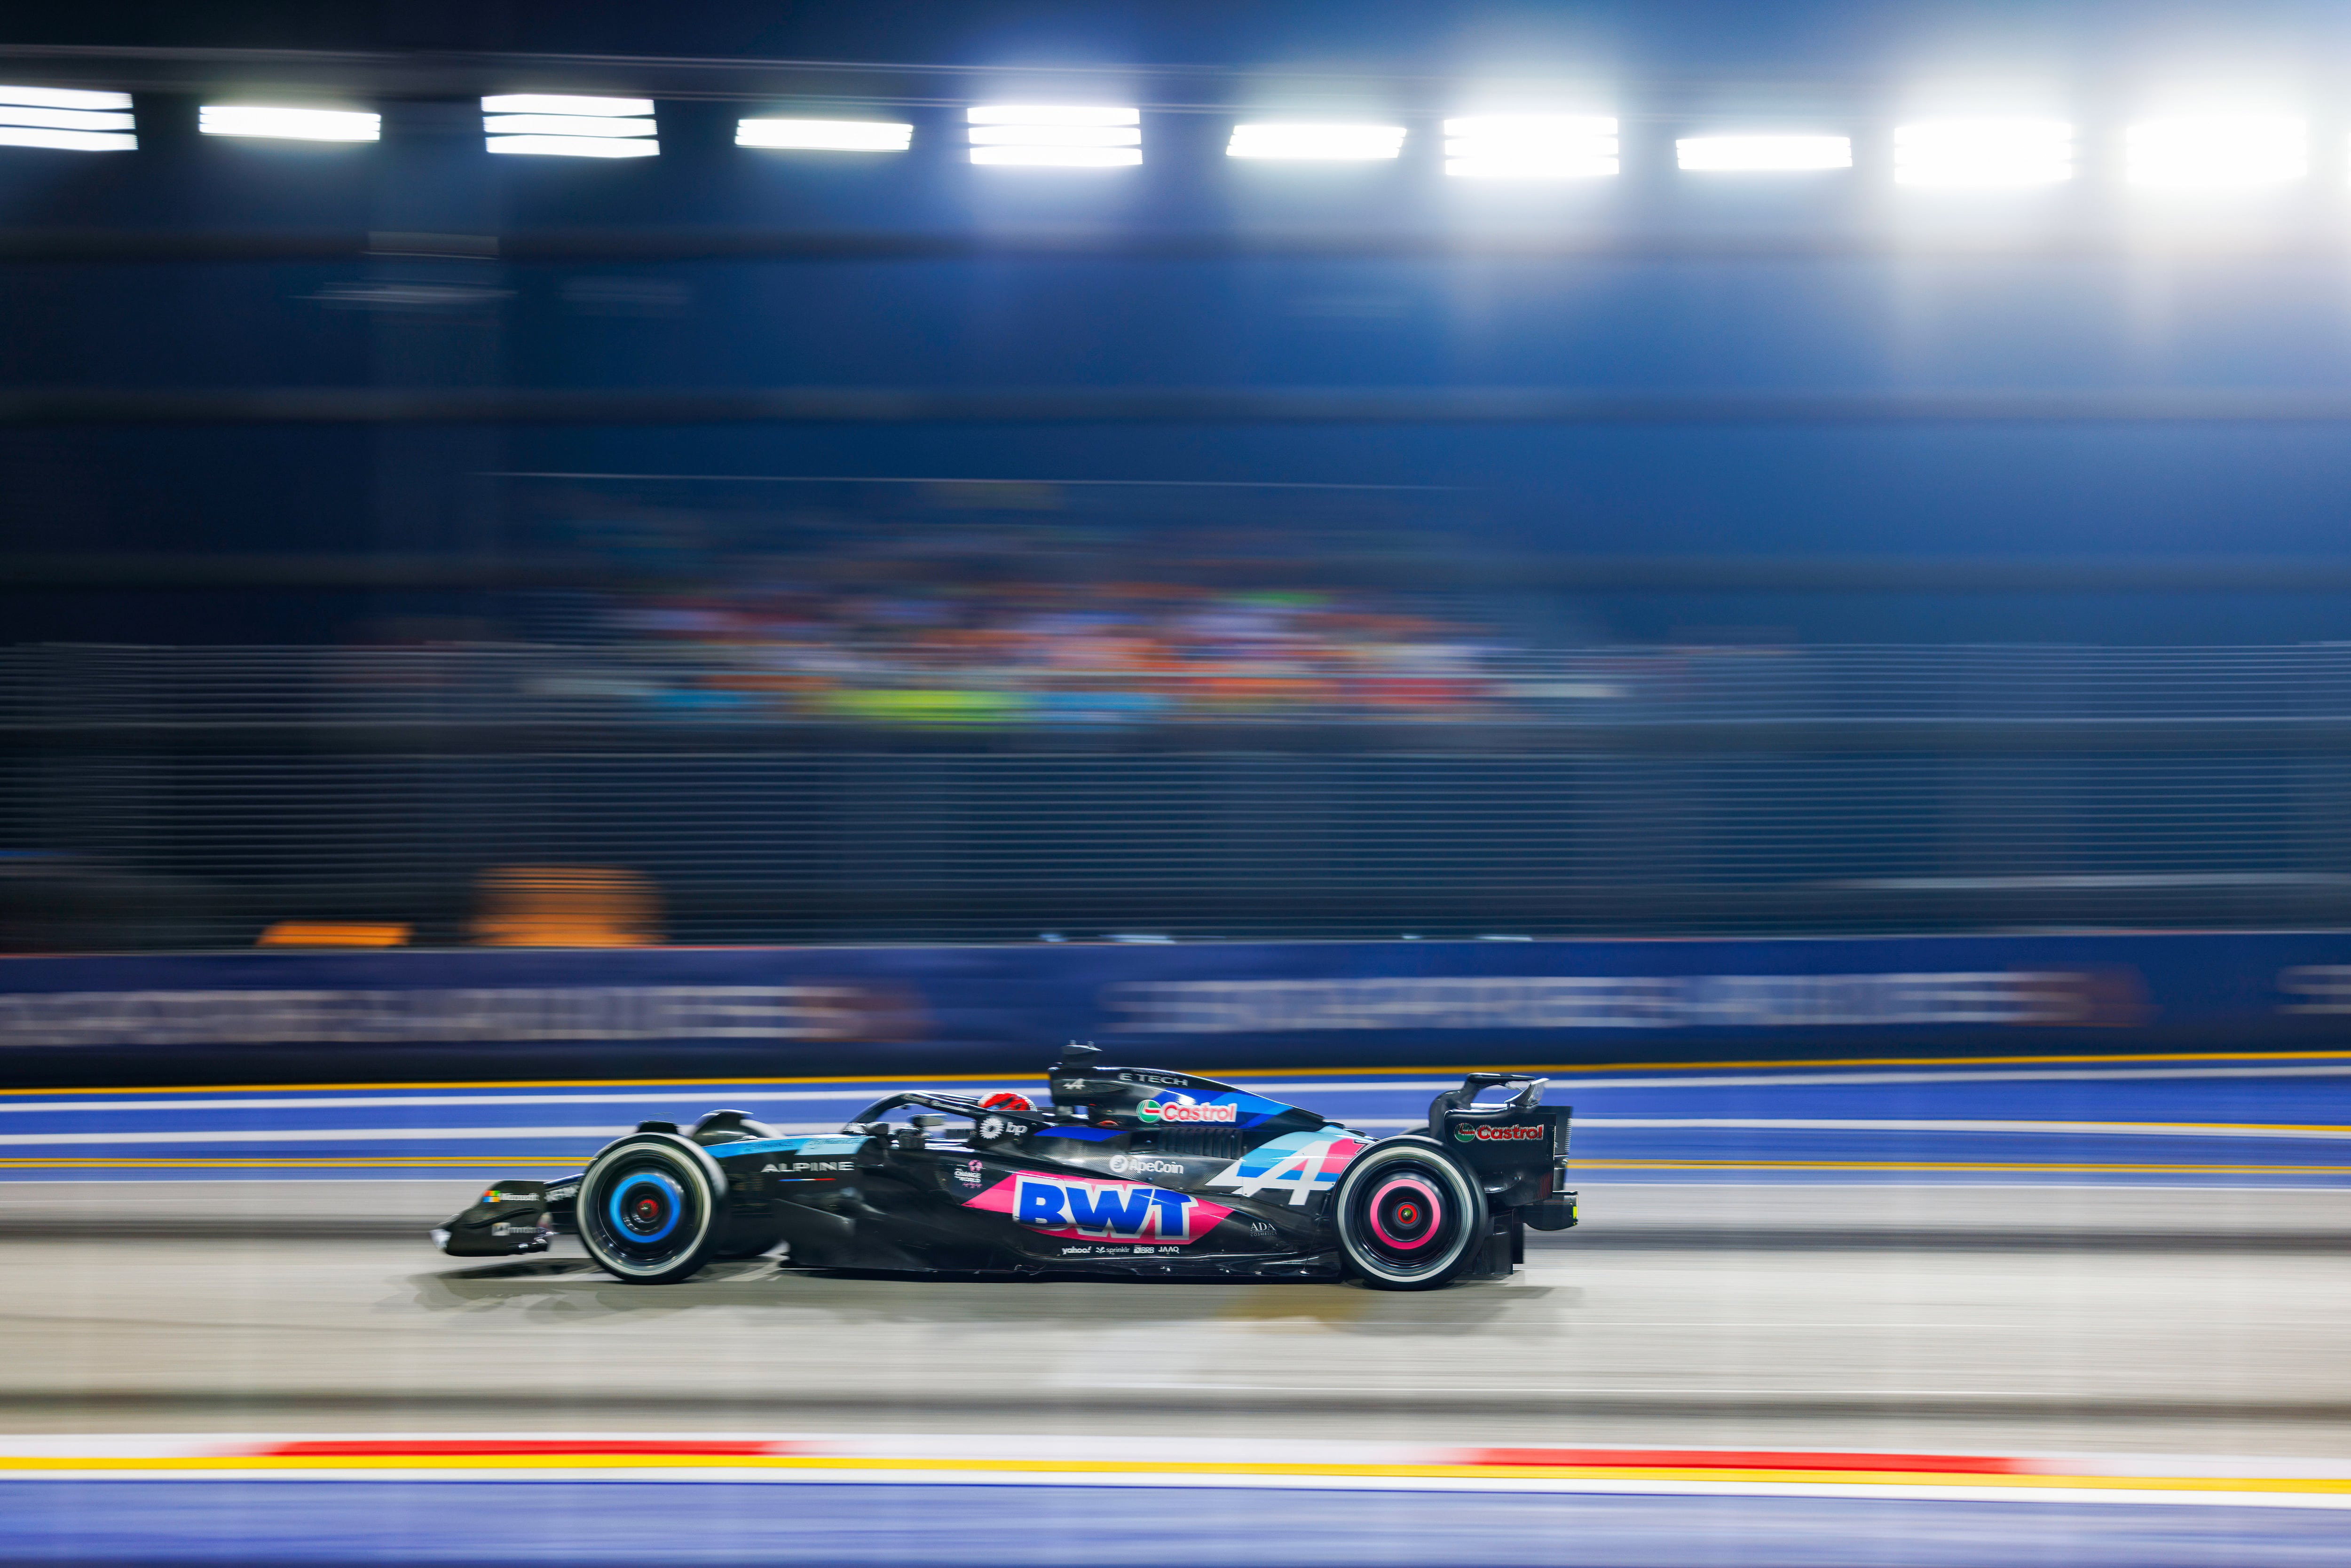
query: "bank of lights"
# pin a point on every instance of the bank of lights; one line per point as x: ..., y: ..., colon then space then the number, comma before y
x: 567, y: 125
x: 825, y: 135
x: 279, y: 123
x: 1294, y: 141
x: 1530, y: 147
x: 1983, y: 154
x: 2217, y: 151
x: 1055, y: 135
x: 1763, y: 154
x: 66, y: 120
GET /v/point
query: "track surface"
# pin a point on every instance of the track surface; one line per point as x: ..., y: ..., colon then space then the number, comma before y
x: 2237, y: 1119
x: 2022, y: 1258
x: 1867, y: 1330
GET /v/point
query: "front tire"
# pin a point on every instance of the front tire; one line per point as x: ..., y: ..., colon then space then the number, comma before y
x: 1409, y: 1216
x: 650, y: 1209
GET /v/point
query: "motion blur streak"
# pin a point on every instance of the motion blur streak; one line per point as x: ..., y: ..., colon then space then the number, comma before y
x: 576, y: 570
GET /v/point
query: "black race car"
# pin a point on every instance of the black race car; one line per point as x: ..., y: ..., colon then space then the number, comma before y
x: 1130, y: 1172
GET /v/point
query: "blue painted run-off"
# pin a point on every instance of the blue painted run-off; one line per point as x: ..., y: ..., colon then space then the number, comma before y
x: 317, y: 1520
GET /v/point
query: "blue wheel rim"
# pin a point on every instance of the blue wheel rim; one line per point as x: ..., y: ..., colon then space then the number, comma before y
x: 645, y: 1207
x: 646, y: 1210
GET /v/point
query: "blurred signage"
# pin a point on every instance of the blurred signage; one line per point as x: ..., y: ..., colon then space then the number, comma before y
x: 1611, y: 1002
x: 500, y: 1015
x: 773, y: 1012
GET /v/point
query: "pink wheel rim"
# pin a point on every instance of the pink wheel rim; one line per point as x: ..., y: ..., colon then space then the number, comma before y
x: 1406, y: 1184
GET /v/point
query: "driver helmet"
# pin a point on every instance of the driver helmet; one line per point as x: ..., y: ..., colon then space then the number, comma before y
x: 1006, y: 1099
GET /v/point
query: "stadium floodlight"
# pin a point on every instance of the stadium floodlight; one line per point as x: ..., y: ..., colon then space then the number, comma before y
x: 825, y: 135
x: 563, y: 125
x: 1531, y: 147
x: 1763, y: 154
x: 1292, y: 141
x: 1055, y: 135
x: 1983, y: 154
x: 63, y: 97
x: 568, y: 125
x: 66, y: 120
x: 574, y: 147
x: 2217, y: 151
x: 565, y: 103
x: 281, y: 123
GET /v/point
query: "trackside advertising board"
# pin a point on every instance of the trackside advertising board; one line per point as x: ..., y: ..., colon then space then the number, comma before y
x: 793, y: 1011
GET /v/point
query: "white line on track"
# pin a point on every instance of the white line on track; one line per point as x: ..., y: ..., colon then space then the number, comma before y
x: 1798, y: 1078
x: 361, y: 1102
x: 1805, y: 1124
x: 2117, y: 1129
x: 359, y: 1135
x: 398, y: 1133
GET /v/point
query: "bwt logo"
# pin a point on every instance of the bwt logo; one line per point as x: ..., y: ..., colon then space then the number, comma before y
x: 1119, y: 1210
x: 1172, y: 1110
x: 1482, y: 1133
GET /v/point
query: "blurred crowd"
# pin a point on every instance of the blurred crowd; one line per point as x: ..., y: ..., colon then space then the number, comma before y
x: 1031, y: 653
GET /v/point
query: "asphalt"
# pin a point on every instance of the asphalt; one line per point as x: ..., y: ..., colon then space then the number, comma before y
x: 2028, y: 1257
x: 2018, y: 1317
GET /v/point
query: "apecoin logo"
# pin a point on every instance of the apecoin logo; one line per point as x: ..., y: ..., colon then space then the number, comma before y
x: 1486, y: 1133
x: 1169, y: 1110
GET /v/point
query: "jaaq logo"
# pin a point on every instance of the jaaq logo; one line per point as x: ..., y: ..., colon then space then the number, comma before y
x: 1176, y: 1111
x: 1486, y: 1133
x: 1102, y: 1210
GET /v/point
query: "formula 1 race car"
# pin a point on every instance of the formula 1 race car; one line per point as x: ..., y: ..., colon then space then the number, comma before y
x: 1130, y: 1172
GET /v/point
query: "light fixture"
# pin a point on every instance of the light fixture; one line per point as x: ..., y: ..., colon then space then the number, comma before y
x: 1763, y: 154
x: 2217, y: 151
x: 825, y: 135
x: 1054, y: 135
x: 1531, y: 146
x: 1315, y: 143
x: 568, y: 125
x: 278, y: 122
x: 1983, y: 154
x: 66, y: 120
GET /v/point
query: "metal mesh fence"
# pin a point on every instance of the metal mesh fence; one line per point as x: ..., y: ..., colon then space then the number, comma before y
x: 170, y: 797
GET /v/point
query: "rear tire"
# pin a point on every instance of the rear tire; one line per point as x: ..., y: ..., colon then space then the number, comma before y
x: 1410, y: 1217
x: 651, y: 1208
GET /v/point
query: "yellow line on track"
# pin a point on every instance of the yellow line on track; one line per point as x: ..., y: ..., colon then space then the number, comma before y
x: 350, y: 1163
x: 815, y: 1463
x: 429, y: 1160
x: 1951, y: 1165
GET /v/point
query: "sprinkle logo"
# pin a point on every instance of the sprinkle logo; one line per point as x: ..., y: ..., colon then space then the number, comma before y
x: 1487, y: 1132
x: 1176, y: 1111
x: 1102, y: 1210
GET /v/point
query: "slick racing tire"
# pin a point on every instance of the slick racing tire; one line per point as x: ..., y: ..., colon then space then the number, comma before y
x: 1409, y: 1216
x: 651, y: 1209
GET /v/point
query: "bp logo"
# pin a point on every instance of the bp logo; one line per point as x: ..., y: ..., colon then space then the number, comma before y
x: 1176, y: 1111
x: 1487, y: 1132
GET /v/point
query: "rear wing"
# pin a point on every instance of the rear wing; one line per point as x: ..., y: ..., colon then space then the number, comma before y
x: 1518, y: 1148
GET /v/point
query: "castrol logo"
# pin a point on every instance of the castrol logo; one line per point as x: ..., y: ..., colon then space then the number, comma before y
x: 1486, y: 1133
x: 1169, y: 1110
